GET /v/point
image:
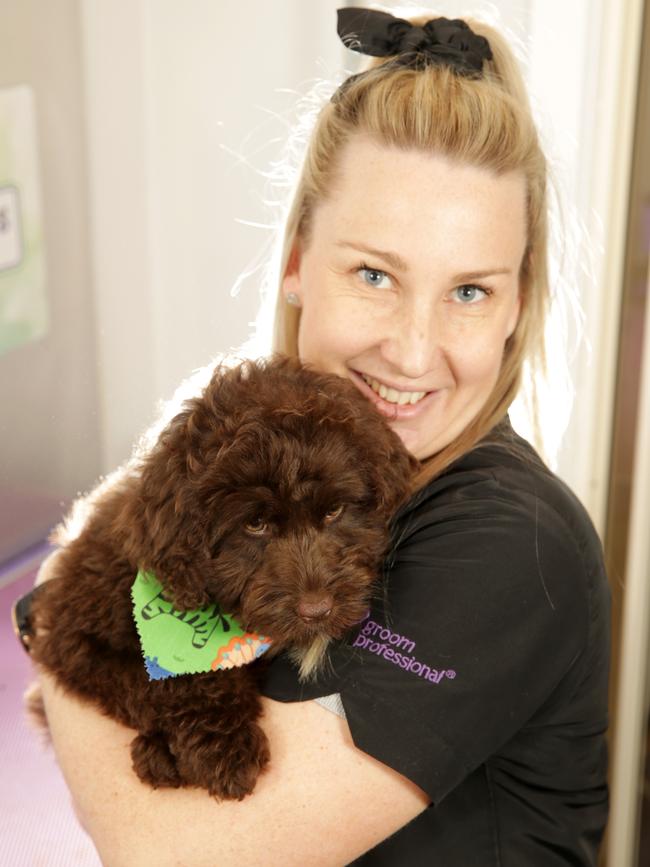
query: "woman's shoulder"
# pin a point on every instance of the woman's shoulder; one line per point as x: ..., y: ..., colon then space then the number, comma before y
x: 504, y: 484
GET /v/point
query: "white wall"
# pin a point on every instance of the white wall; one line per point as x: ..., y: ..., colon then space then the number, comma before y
x: 583, y: 68
x: 181, y: 130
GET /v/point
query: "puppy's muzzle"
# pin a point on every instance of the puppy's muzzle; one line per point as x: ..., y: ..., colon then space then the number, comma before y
x: 315, y: 608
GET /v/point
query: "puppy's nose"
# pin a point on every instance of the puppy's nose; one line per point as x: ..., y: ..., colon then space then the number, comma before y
x: 315, y: 608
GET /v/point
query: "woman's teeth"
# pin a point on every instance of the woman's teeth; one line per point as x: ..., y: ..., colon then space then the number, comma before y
x: 390, y: 394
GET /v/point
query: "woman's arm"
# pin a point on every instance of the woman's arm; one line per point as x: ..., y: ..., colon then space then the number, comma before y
x: 321, y: 801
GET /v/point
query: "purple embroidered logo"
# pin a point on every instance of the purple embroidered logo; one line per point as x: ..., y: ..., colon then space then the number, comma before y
x: 389, y: 646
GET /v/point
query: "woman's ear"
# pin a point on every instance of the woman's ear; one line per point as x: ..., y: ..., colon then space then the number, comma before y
x: 291, y: 279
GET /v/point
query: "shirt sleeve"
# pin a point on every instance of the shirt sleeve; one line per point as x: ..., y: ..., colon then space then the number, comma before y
x: 486, y: 611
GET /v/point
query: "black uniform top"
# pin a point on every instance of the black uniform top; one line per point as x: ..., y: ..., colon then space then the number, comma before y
x: 482, y: 676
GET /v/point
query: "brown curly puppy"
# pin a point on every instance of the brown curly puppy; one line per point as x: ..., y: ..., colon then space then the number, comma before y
x: 270, y: 494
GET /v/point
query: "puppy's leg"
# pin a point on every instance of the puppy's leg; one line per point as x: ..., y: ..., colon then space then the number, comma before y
x: 227, y: 766
x: 218, y: 744
x: 153, y: 761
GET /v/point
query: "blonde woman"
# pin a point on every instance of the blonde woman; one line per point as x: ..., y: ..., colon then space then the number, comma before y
x: 464, y: 722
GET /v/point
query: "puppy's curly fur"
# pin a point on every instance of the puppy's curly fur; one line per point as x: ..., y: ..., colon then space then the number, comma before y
x: 271, y: 494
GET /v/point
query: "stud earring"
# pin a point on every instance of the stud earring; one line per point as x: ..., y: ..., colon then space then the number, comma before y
x: 292, y: 298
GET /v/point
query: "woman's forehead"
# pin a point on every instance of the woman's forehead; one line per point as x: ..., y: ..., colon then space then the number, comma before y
x: 403, y: 198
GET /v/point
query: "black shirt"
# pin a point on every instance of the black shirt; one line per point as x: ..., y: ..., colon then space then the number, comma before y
x: 482, y: 673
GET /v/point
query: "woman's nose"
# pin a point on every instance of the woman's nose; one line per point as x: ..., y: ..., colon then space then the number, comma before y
x: 414, y: 344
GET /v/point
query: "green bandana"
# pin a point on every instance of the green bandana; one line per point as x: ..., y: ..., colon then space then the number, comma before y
x: 188, y: 642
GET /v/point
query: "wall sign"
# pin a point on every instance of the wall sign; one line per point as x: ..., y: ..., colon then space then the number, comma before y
x: 23, y: 303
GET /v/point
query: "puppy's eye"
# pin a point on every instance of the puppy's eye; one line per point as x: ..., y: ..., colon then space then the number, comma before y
x: 257, y: 527
x: 333, y: 514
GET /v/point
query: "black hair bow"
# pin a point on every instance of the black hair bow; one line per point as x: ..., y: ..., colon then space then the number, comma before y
x: 440, y: 40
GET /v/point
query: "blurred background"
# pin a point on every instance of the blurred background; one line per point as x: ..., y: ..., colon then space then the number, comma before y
x: 145, y: 157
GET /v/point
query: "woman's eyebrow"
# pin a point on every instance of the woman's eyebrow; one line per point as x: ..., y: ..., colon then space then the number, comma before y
x: 477, y: 275
x: 393, y: 259
x: 396, y: 261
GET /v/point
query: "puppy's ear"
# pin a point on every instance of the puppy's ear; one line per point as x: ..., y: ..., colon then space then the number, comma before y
x: 163, y: 526
x: 392, y: 477
x: 389, y: 465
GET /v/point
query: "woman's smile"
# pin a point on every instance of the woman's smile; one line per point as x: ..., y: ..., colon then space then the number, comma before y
x: 393, y: 410
x: 393, y: 393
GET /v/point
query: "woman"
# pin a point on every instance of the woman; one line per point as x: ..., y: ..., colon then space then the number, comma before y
x: 465, y: 720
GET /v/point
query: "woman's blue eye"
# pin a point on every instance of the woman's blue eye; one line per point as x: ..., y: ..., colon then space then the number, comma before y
x: 371, y: 276
x: 468, y: 294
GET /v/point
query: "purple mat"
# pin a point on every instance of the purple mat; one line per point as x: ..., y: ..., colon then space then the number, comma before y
x: 38, y: 827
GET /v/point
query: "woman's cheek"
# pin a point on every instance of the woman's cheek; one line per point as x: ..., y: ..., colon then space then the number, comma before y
x: 477, y: 358
x: 321, y: 337
x: 335, y: 327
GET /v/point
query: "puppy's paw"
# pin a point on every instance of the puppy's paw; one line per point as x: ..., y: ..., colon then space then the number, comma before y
x: 153, y: 761
x: 245, y: 755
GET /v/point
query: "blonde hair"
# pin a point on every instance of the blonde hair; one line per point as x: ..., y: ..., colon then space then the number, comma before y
x: 484, y: 121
